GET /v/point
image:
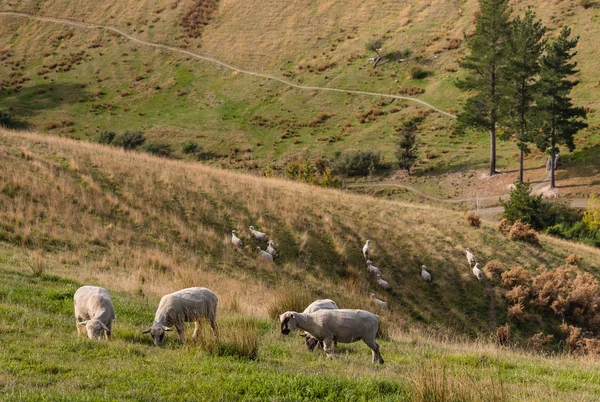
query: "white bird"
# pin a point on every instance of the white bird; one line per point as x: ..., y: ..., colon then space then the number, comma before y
x: 477, y: 272
x: 471, y: 257
x: 377, y: 302
x: 373, y: 270
x: 264, y: 255
x: 366, y: 250
x: 382, y: 284
x: 425, y: 275
x: 270, y: 249
x: 258, y: 235
x: 236, y: 240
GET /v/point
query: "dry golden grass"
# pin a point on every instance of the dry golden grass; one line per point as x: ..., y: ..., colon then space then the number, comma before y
x: 149, y: 226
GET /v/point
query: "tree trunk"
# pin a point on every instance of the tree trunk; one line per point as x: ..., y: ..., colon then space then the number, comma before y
x: 521, y: 154
x: 552, y: 180
x: 493, y: 150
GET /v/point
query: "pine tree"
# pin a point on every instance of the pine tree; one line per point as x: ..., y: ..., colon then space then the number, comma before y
x: 407, y: 146
x: 524, y: 50
x: 560, y: 119
x: 484, y: 65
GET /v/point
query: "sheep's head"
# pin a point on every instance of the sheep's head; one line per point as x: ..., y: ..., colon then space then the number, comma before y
x: 423, y: 267
x: 234, y: 232
x: 369, y: 262
x: 251, y: 227
x: 288, y: 322
x: 95, y: 329
x: 372, y: 296
x: 157, y: 332
x: 311, y: 341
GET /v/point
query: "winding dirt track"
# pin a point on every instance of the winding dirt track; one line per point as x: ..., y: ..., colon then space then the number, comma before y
x: 85, y: 25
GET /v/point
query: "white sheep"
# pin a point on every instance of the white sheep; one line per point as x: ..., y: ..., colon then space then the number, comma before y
x: 94, y: 310
x: 377, y: 302
x: 382, y: 284
x: 373, y: 270
x: 345, y: 326
x: 264, y: 255
x: 236, y: 241
x: 477, y: 272
x: 270, y: 249
x: 425, y: 275
x: 366, y: 250
x: 258, y: 235
x: 471, y: 257
x: 321, y: 304
x: 186, y: 305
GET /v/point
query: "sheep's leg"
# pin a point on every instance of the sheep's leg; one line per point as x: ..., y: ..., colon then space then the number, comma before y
x: 213, y: 324
x: 77, y: 321
x: 109, y: 333
x: 181, y: 332
x: 328, y: 347
x: 375, y: 348
x: 197, y: 328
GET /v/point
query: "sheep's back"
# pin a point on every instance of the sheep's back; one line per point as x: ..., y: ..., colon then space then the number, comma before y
x: 348, y: 325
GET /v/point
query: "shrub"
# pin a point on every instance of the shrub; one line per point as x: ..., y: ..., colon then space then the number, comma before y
x: 573, y: 259
x: 190, y: 147
x: 358, y: 163
x: 493, y: 269
x: 591, y: 216
x: 504, y: 226
x: 130, y: 140
x: 5, y: 119
x: 524, y: 232
x: 587, y: 3
x: 159, y: 149
x: 474, y: 219
x: 515, y: 277
x: 539, y: 341
x: 418, y: 72
x: 106, y: 137
x: 503, y: 335
x: 407, y: 146
x: 571, y: 337
x: 524, y: 207
x: 516, y: 313
x: 518, y: 294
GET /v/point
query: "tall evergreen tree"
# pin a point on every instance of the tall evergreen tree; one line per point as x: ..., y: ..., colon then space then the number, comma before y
x: 524, y: 50
x: 484, y: 64
x: 561, y: 120
x: 407, y: 146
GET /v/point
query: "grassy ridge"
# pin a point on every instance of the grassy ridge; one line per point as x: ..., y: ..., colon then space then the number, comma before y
x: 173, y: 98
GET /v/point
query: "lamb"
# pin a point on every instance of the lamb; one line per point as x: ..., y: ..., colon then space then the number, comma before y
x: 425, y: 275
x: 270, y: 249
x: 186, y: 305
x: 264, y: 255
x: 471, y: 257
x: 321, y: 304
x: 345, y: 326
x: 373, y: 270
x: 236, y: 241
x: 366, y: 250
x: 477, y: 272
x: 377, y: 302
x: 258, y: 235
x: 95, y: 311
x: 382, y: 284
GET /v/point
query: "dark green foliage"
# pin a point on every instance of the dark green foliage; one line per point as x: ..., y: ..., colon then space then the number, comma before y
x: 191, y: 148
x: 525, y: 207
x: 525, y: 46
x: 358, y: 163
x: 487, y: 53
x: 318, y: 173
x: 159, y: 149
x: 418, y: 72
x: 561, y: 120
x: 5, y: 119
x: 374, y: 45
x: 407, y: 146
x: 130, y: 140
x: 106, y: 137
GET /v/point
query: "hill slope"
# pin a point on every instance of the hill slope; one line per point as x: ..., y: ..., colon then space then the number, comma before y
x: 85, y: 81
x: 148, y: 225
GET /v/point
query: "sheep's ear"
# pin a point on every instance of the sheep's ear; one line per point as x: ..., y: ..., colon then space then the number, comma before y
x: 147, y: 331
x: 303, y: 335
x: 82, y: 323
x: 165, y: 328
x: 293, y: 315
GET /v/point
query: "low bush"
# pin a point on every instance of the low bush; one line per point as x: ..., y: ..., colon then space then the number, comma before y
x: 573, y: 259
x: 474, y: 219
x: 159, y: 149
x: 129, y: 140
x: 523, y: 232
x: 418, y: 72
x: 493, y: 269
x: 358, y: 163
x: 106, y: 137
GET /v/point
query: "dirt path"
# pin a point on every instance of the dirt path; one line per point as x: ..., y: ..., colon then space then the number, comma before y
x: 85, y: 25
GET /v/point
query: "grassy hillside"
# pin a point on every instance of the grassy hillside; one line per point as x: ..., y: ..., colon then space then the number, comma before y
x: 81, y: 82
x: 74, y: 213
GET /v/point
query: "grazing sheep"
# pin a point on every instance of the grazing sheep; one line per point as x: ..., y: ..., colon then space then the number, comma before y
x: 373, y: 270
x: 270, y: 249
x: 264, y: 255
x: 94, y: 310
x: 177, y: 308
x: 425, y: 275
x: 236, y: 241
x: 471, y: 257
x: 345, y: 326
x: 258, y: 235
x: 366, y: 250
x: 477, y: 272
x: 382, y: 284
x: 321, y: 304
x: 377, y: 302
